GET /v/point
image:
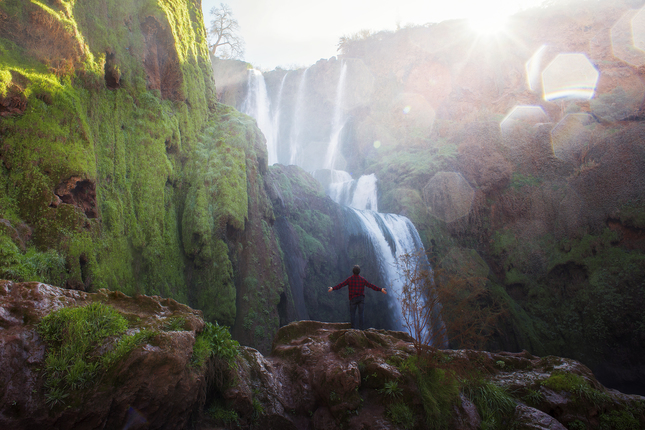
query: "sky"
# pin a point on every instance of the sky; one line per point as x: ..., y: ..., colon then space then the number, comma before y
x: 292, y: 33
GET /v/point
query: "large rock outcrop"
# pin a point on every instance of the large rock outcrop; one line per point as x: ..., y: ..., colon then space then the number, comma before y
x: 317, y: 376
x: 155, y: 386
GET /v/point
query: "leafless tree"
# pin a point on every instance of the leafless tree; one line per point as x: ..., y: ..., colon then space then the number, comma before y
x: 420, y: 304
x: 441, y: 305
x: 225, y: 42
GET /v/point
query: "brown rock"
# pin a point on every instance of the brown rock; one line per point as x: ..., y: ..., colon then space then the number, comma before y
x: 153, y: 387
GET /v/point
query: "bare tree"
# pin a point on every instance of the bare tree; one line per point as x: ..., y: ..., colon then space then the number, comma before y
x: 223, y: 34
x: 420, y: 304
x: 440, y: 305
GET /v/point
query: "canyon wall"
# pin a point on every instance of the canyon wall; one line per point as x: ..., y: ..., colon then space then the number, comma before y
x: 519, y: 153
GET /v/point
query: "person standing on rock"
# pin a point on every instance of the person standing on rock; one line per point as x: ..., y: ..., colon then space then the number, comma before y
x: 356, y: 286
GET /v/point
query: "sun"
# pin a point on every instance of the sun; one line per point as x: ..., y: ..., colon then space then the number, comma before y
x: 488, y: 23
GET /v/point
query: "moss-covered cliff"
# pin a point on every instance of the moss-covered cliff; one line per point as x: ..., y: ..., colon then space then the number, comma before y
x: 119, y: 169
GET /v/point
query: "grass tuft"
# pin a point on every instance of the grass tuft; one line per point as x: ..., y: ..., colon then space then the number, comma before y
x: 73, y: 337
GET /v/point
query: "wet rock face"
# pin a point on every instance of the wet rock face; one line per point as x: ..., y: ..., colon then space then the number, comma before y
x: 318, y: 376
x: 153, y: 387
x: 323, y: 375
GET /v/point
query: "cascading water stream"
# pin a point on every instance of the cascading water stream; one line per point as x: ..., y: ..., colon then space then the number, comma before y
x: 338, y: 121
x: 297, y: 118
x: 391, y: 236
x: 258, y: 105
x: 276, y: 121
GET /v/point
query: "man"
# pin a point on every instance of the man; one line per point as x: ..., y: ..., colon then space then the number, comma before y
x: 357, y: 286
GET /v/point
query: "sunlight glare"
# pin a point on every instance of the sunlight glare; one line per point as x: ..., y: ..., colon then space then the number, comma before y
x: 488, y: 22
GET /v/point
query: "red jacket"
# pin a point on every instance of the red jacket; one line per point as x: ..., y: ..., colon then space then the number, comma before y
x: 356, y: 285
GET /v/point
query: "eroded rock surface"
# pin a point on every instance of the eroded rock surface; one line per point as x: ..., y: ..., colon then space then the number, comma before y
x: 318, y: 376
x: 154, y: 386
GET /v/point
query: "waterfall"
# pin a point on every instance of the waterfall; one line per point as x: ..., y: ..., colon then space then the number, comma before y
x: 276, y: 120
x: 390, y: 236
x: 258, y: 105
x: 297, y: 118
x: 338, y: 123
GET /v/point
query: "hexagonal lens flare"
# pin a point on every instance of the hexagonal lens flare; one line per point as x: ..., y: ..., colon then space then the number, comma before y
x: 534, y: 69
x: 570, y: 76
x: 448, y: 196
x: 628, y: 38
x: 570, y: 137
x: 638, y: 29
x: 522, y: 117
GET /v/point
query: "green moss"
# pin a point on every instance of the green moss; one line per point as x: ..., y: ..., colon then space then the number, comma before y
x: 133, y: 143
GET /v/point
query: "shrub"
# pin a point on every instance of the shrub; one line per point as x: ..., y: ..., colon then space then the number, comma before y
x: 214, y: 340
x: 618, y: 420
x: 439, y: 390
x: 391, y: 389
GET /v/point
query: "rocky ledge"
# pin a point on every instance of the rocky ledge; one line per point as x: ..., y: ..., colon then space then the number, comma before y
x: 318, y: 375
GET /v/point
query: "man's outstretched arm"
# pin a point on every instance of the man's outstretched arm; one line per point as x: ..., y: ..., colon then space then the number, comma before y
x: 339, y: 286
x: 375, y: 288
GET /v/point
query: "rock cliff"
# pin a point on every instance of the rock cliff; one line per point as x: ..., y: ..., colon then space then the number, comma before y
x: 469, y: 138
x: 119, y: 169
x: 317, y: 376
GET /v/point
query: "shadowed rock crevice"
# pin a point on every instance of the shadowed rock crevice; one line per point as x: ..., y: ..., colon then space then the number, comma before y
x: 163, y: 72
x: 78, y: 192
x: 112, y: 73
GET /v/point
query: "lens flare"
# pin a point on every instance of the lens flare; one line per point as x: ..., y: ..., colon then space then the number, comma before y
x: 448, y: 196
x: 570, y: 76
x: 571, y: 136
x: 628, y: 38
x: 521, y: 118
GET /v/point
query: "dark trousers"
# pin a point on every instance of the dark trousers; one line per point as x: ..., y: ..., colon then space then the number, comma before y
x: 357, y: 302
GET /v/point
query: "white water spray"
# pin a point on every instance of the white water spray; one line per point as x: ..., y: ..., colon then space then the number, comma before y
x: 297, y: 119
x: 276, y: 120
x: 258, y: 106
x: 338, y: 122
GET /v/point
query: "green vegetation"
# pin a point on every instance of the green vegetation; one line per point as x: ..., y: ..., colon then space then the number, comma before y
x: 577, y: 386
x: 135, y: 157
x: 494, y: 404
x: 400, y: 414
x: 174, y: 324
x: 33, y: 265
x: 618, y: 420
x: 74, y: 336
x: 391, y: 389
x: 223, y: 415
x: 439, y: 390
x: 518, y: 181
x: 214, y: 341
